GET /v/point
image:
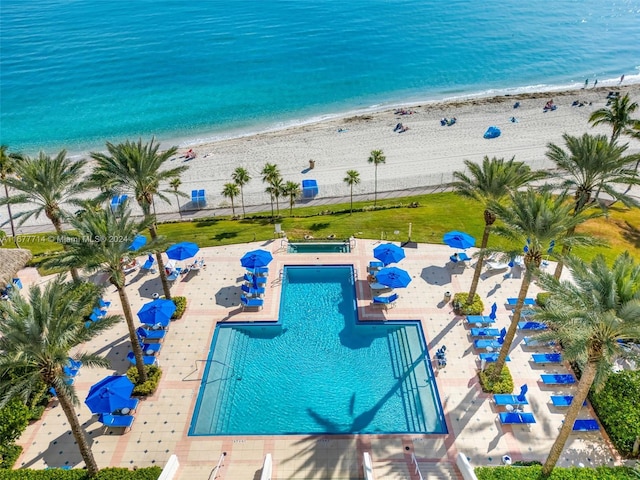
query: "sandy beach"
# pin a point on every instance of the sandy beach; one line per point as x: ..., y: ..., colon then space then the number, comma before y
x: 425, y: 154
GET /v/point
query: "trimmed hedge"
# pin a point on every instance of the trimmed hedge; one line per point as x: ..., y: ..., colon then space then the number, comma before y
x: 9, y: 454
x: 460, y: 306
x: 618, y: 408
x: 181, y: 305
x: 149, y: 387
x: 148, y: 473
x: 573, y: 473
x: 504, y: 384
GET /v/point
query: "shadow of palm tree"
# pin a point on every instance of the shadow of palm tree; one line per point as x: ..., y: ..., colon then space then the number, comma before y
x: 631, y: 234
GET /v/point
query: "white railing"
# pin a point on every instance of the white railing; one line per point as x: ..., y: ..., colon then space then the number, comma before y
x: 267, y: 467
x: 414, y: 461
x: 170, y: 469
x: 367, y: 466
x: 216, y: 470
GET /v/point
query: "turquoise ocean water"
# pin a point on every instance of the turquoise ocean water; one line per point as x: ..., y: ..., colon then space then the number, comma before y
x: 76, y: 73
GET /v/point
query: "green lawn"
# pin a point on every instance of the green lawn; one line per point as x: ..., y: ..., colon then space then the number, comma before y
x: 434, y: 215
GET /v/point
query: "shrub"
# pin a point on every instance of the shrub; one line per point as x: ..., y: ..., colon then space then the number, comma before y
x: 149, y: 387
x: 14, y: 418
x: 9, y: 454
x: 461, y: 308
x: 181, y: 305
x: 147, y: 473
x: 618, y: 408
x: 504, y: 384
x: 534, y: 473
x: 543, y: 298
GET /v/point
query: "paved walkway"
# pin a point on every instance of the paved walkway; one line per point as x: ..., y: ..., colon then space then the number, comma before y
x: 162, y: 421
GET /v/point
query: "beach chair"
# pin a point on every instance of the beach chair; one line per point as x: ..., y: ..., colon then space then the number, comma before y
x: 487, y: 343
x: 174, y: 274
x: 386, y: 302
x: 104, y: 304
x: 115, y: 421
x: 534, y: 342
x: 202, y: 198
x: 376, y: 265
x: 564, y: 400
x: 531, y: 326
x: 251, y: 302
x: 481, y: 319
x: 511, y: 302
x: 587, y: 425
x: 194, y: 198
x: 147, y: 359
x: 149, y: 348
x: 509, y: 399
x: 492, y: 357
x: 149, y: 335
x: 558, y: 379
x: 252, y: 292
x: 254, y: 280
x: 516, y: 418
x: 542, y: 358
x: 148, y: 265
x: 258, y: 271
x: 94, y: 317
x: 484, y: 332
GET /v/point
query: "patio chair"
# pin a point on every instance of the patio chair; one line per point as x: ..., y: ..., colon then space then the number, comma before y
x: 492, y: 357
x: 534, y: 342
x: 252, y: 292
x: 509, y: 399
x: 376, y: 266
x: 511, y: 302
x: 174, y: 274
x: 277, y: 230
x: 251, y: 302
x: 127, y: 408
x: 542, y: 358
x: 94, y: 317
x: 202, y: 198
x: 149, y: 348
x: 564, y: 400
x: 531, y: 326
x: 479, y: 319
x: 254, y: 280
x: 194, y: 198
x: 485, y: 332
x: 516, y: 418
x: 115, y: 421
x: 558, y: 379
x: 386, y: 302
x: 104, y: 304
x: 148, y: 335
x: 487, y: 343
x: 587, y: 425
x: 147, y: 359
x: 258, y: 271
x: 149, y: 264
x: 99, y: 313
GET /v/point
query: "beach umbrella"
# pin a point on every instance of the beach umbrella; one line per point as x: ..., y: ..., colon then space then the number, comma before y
x: 393, y: 277
x: 157, y: 312
x: 138, y: 242
x: 256, y: 258
x: 460, y: 240
x: 503, y: 333
x: 494, y: 309
x: 182, y: 250
x: 388, y: 253
x: 109, y: 394
x: 523, y: 390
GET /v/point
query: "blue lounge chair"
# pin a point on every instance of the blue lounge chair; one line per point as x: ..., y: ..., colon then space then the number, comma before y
x: 251, y: 302
x: 564, y: 400
x: 460, y: 257
x: 507, y: 418
x: 202, y: 198
x: 99, y: 312
x: 148, y: 265
x: 95, y: 318
x: 531, y: 326
x: 148, y: 334
x: 486, y: 319
x: 509, y: 399
x: 486, y: 343
x: 558, y: 379
x: 104, y: 304
x: 386, y: 301
x: 376, y: 265
x: 534, y: 342
x: 511, y: 302
x: 541, y: 358
x: 484, y: 332
x: 492, y: 357
x: 252, y: 292
x: 149, y: 348
x: 114, y: 421
x: 259, y: 271
x: 587, y: 425
x: 146, y: 359
x: 194, y: 198
x: 254, y: 279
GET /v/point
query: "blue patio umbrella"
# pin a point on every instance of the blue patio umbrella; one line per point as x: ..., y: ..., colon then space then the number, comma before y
x: 523, y: 390
x: 393, y: 277
x: 256, y: 258
x: 109, y: 394
x: 157, y: 312
x: 503, y: 333
x: 460, y: 240
x: 138, y: 242
x: 182, y: 250
x: 388, y: 253
x: 494, y: 309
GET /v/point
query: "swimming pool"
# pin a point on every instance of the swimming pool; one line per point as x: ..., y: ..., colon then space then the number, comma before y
x: 318, y: 370
x: 318, y: 247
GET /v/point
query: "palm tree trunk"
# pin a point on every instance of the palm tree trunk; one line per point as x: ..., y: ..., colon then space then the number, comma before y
x: 233, y: 208
x: 78, y: 433
x: 163, y: 275
x: 13, y: 228
x: 565, y: 252
x: 351, y: 208
x: 588, y: 375
x: 244, y: 214
x: 133, y: 338
x: 179, y: 210
x: 375, y: 187
x: 272, y: 212
x: 57, y: 224
x: 478, y: 270
x: 513, y: 327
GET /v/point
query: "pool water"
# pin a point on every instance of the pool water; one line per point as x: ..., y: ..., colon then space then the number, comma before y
x: 315, y: 247
x: 318, y: 370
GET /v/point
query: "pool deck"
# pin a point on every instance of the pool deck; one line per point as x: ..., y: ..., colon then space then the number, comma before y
x: 162, y: 421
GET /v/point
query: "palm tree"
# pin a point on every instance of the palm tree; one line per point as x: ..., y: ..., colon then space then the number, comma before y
x: 99, y: 242
x: 291, y: 190
x: 270, y: 173
x: 36, y: 336
x: 376, y: 158
x: 175, y: 185
x: 352, y: 178
x: 588, y: 317
x: 618, y: 116
x: 592, y: 164
x: 231, y: 191
x: 277, y: 190
x: 491, y: 181
x: 241, y: 177
x: 534, y: 220
x: 48, y: 183
x: 137, y: 168
x: 6, y: 170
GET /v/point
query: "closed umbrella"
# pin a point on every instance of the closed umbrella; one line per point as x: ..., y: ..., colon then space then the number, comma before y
x: 393, y: 277
x: 388, y: 253
x: 459, y: 240
x: 138, y: 242
x: 256, y: 258
x: 109, y: 394
x: 182, y: 251
x: 157, y: 312
x: 523, y: 390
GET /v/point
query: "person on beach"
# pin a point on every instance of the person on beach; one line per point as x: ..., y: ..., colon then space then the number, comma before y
x: 595, y: 84
x: 622, y: 78
x: 586, y: 83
